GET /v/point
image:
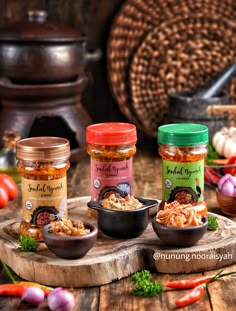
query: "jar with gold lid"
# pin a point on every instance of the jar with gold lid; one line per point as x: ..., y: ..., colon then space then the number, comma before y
x: 43, y: 163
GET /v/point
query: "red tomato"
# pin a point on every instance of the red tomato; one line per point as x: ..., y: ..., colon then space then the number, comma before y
x: 10, y: 185
x: 4, y: 197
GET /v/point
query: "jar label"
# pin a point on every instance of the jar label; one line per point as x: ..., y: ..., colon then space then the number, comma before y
x: 44, y: 200
x: 110, y: 177
x: 183, y: 182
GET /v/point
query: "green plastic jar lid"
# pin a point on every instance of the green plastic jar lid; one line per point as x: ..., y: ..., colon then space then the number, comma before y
x: 182, y: 134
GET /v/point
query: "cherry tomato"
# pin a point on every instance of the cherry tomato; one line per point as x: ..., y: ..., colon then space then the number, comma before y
x: 10, y: 185
x: 4, y: 197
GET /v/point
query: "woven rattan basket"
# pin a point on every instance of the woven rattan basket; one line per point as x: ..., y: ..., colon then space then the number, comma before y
x: 185, y: 52
x: 158, y: 46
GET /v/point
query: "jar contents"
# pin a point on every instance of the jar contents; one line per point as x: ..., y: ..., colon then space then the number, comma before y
x: 111, y: 147
x: 180, y: 215
x: 43, y: 164
x: 68, y: 227
x: 117, y: 202
x: 8, y: 155
x: 183, y: 148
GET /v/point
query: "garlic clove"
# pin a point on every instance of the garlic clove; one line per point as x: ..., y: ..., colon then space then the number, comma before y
x: 218, y: 142
x: 229, y: 148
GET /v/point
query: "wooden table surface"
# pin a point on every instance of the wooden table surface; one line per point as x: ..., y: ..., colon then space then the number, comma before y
x: 118, y: 295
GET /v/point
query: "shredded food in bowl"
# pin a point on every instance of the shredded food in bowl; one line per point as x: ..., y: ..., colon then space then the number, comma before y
x: 67, y: 227
x: 117, y: 202
x: 179, y: 215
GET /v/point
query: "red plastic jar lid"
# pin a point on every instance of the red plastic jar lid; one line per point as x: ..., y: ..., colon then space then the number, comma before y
x: 111, y: 133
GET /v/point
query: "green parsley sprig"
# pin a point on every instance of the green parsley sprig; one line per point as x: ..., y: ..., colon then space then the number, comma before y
x: 212, y: 223
x: 28, y: 244
x: 144, y: 286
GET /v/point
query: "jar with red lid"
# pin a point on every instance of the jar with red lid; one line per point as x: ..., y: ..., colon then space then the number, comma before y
x: 111, y: 146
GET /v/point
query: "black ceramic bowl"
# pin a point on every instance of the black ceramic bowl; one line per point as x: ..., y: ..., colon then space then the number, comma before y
x: 123, y: 224
x: 70, y: 247
x: 180, y: 237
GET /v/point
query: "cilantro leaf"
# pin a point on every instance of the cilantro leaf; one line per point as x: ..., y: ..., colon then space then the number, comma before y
x: 144, y: 286
x: 212, y: 223
x: 28, y: 244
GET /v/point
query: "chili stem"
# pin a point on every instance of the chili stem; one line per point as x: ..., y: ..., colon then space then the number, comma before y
x: 220, y: 275
x: 8, y: 272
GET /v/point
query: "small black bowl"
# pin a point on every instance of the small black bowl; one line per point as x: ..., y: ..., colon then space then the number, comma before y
x: 180, y: 237
x: 70, y: 247
x: 124, y: 224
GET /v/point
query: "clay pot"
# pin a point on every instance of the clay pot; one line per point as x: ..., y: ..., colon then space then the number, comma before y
x: 70, y: 247
x: 39, y: 51
x: 123, y: 224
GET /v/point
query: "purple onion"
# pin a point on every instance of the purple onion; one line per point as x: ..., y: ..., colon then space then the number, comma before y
x: 33, y: 295
x: 227, y: 184
x: 61, y: 300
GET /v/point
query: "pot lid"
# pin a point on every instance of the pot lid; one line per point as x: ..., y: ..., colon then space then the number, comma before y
x: 37, y: 28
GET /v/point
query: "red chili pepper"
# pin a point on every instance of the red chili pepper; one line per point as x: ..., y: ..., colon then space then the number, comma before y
x: 184, y: 284
x: 192, y: 296
x: 197, y: 292
x: 12, y: 289
x: 230, y: 169
x: 46, y: 289
x: 211, y: 176
x: 18, y: 288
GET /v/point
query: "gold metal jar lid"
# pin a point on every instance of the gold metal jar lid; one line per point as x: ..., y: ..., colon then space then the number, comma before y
x: 43, y: 149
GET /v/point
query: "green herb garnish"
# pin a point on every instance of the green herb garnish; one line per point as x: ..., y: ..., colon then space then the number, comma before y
x: 212, y: 223
x: 144, y: 286
x: 28, y: 244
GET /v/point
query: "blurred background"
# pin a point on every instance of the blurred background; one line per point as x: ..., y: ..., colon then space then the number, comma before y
x: 150, y: 49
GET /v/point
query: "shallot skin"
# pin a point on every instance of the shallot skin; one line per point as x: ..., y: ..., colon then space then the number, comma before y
x: 33, y: 296
x: 227, y: 184
x: 61, y: 300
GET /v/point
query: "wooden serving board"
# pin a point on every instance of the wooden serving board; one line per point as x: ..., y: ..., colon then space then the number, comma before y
x: 111, y: 259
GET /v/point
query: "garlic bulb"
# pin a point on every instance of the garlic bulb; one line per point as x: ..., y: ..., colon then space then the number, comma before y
x: 224, y: 142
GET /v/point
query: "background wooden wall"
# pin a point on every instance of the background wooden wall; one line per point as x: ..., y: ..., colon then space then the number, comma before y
x: 93, y: 18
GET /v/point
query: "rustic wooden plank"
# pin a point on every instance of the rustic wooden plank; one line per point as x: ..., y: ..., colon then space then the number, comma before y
x: 220, y: 292
x: 88, y: 299
x: 171, y: 295
x: 119, y: 296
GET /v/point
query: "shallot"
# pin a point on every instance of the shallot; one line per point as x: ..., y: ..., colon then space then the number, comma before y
x: 33, y: 296
x: 61, y: 300
x: 227, y: 185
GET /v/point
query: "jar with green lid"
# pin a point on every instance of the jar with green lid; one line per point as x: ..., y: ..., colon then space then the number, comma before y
x: 183, y: 148
x: 111, y: 146
x: 43, y: 163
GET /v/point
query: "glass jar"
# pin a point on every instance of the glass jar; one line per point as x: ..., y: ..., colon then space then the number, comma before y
x: 111, y: 147
x: 43, y: 164
x: 183, y: 148
x: 8, y: 155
